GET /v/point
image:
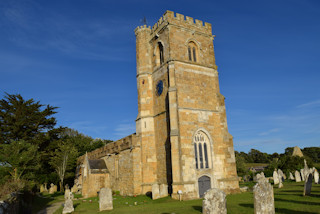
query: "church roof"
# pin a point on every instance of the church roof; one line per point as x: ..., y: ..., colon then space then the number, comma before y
x: 98, y: 166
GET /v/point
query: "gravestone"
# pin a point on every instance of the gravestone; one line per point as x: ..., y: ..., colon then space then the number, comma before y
x: 316, y: 176
x: 53, y: 188
x: 66, y: 193
x: 43, y: 188
x: 297, y: 176
x: 291, y: 176
x: 263, y: 197
x: 214, y: 202
x: 275, y: 177
x: 281, y: 175
x: 163, y: 190
x: 105, y: 199
x: 68, y: 204
x: 155, y: 191
x: 307, y: 185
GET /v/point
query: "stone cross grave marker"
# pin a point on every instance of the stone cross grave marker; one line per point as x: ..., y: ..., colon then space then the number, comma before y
x: 214, y: 202
x: 105, y: 199
x: 68, y: 204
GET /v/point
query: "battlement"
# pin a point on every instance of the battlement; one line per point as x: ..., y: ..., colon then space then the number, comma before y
x: 111, y: 148
x: 178, y: 19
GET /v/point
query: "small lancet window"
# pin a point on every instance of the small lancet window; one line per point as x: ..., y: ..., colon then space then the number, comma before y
x: 192, y: 52
x: 159, y: 55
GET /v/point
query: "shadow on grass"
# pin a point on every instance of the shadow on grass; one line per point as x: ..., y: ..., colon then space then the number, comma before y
x: 41, y: 201
x: 298, y: 202
x: 198, y: 208
x: 287, y: 211
x: 246, y: 205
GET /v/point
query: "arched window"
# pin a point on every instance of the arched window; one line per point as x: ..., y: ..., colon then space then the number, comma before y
x: 192, y: 52
x: 159, y: 54
x: 202, y: 150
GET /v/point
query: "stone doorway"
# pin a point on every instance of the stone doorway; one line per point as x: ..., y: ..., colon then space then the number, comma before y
x: 204, y: 184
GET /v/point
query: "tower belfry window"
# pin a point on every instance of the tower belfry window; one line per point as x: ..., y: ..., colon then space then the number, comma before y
x: 161, y: 53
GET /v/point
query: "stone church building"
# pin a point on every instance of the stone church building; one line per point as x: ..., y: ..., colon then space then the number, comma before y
x: 182, y: 143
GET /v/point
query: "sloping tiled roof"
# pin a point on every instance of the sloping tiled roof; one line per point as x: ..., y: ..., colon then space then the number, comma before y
x: 98, y: 166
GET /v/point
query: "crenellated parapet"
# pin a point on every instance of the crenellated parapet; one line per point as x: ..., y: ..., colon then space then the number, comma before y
x: 115, y: 147
x: 178, y: 19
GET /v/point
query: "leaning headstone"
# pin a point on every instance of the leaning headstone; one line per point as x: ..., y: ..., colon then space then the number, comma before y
x: 291, y: 176
x: 275, y: 177
x: 306, y: 170
x: 308, y: 185
x: 163, y: 190
x: 297, y: 176
x: 302, y: 174
x: 68, y: 204
x: 214, y: 202
x: 155, y: 191
x: 280, y: 174
x: 105, y: 199
x: 316, y: 176
x: 263, y: 197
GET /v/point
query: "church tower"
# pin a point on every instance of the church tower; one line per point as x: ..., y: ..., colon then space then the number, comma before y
x: 181, y: 122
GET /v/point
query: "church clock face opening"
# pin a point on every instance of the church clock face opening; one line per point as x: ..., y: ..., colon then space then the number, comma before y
x: 159, y: 87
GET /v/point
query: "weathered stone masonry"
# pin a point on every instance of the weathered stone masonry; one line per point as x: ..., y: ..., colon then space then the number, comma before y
x: 181, y: 138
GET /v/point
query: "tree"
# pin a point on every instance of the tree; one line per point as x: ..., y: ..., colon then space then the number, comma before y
x: 27, y: 127
x: 63, y: 158
x: 20, y: 158
x: 25, y: 120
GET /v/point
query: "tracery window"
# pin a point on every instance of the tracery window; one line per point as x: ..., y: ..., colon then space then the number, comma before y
x: 192, y: 51
x: 202, y: 150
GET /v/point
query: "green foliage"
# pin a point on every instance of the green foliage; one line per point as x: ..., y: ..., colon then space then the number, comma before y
x: 26, y: 120
x: 313, y: 153
x: 20, y: 158
x: 241, y: 166
x: 27, y: 133
x: 82, y: 142
x: 64, y: 158
x: 258, y: 157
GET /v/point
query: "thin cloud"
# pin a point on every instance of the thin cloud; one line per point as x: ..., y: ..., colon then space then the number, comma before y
x: 310, y: 104
x: 269, y: 132
x: 125, y: 129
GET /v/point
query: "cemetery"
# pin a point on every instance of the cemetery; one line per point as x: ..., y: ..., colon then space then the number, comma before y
x: 180, y: 159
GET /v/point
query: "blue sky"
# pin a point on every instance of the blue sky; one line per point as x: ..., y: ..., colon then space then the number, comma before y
x: 80, y: 56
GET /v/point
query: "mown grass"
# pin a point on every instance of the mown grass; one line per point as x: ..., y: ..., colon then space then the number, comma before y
x: 287, y: 200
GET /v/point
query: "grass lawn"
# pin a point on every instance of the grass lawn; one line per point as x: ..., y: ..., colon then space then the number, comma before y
x: 287, y: 200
